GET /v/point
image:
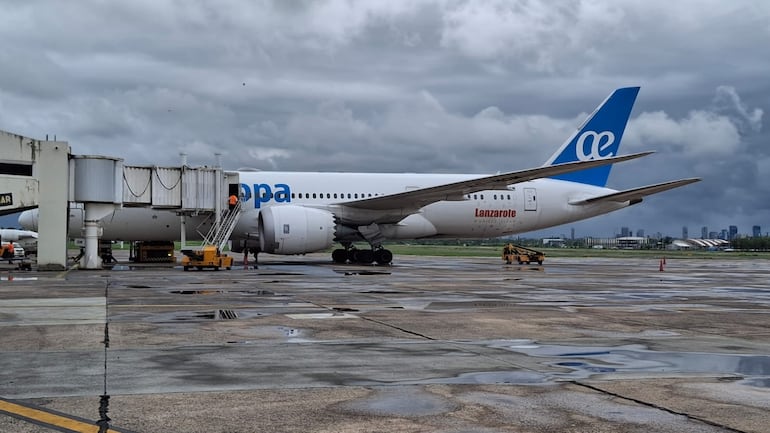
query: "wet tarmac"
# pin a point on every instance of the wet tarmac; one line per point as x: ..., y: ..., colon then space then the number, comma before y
x: 428, y: 344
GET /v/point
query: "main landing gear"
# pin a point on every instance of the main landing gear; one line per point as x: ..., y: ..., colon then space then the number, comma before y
x: 351, y: 254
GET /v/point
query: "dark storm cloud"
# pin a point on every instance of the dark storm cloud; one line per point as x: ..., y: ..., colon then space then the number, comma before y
x: 432, y: 86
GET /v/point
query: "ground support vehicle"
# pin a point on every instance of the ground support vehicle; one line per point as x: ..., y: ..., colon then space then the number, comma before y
x: 521, y: 255
x: 209, y: 256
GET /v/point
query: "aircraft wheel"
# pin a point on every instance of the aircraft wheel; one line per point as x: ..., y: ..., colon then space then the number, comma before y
x: 383, y: 256
x: 352, y: 254
x: 364, y: 257
x: 339, y: 255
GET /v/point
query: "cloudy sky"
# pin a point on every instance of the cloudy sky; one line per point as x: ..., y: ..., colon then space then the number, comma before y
x: 407, y: 86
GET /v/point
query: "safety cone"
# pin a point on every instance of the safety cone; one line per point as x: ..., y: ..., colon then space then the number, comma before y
x: 661, y: 264
x: 664, y: 260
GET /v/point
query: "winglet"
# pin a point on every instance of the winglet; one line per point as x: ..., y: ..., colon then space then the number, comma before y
x: 597, y: 138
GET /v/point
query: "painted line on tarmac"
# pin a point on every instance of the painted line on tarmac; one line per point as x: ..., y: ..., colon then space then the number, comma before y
x: 51, y: 419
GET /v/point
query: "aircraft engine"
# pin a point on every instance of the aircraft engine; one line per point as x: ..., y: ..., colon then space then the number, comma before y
x: 295, y: 229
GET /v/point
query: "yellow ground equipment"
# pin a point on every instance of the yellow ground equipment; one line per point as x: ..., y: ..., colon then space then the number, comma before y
x: 208, y: 256
x: 153, y: 252
x: 515, y: 253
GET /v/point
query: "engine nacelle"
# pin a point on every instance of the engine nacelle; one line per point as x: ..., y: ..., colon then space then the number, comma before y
x: 292, y: 229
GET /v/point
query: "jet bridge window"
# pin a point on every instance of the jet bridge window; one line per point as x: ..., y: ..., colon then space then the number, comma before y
x: 15, y: 169
x: 286, y: 229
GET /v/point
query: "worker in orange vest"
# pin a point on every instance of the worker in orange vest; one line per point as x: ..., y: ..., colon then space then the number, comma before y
x: 8, y: 251
x: 232, y: 201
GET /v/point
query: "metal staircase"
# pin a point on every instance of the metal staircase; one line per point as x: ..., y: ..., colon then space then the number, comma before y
x: 219, y: 234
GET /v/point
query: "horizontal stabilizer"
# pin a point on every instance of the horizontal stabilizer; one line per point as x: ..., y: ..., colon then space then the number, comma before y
x: 637, y: 194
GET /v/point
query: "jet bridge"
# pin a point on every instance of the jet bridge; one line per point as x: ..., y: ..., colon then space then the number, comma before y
x: 44, y: 174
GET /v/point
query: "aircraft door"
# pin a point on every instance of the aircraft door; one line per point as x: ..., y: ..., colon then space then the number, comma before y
x: 530, y: 199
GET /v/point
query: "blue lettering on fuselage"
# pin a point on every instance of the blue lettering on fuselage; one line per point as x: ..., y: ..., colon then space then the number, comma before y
x: 264, y: 193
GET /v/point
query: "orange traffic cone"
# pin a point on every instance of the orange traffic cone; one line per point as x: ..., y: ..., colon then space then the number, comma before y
x: 661, y: 264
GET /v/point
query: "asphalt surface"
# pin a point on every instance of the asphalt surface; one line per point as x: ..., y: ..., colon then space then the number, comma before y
x: 429, y: 344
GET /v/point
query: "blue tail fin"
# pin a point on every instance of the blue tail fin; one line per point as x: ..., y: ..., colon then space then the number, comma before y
x: 598, y: 137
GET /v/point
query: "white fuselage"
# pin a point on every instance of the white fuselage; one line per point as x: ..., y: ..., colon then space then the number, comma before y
x: 523, y: 207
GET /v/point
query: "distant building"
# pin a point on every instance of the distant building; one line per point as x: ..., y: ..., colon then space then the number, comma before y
x: 701, y: 244
x: 625, y: 232
x: 713, y: 235
x: 640, y: 233
x: 623, y: 243
x: 723, y: 234
x: 553, y: 242
x: 704, y: 232
x: 572, y: 233
x: 756, y: 231
x: 733, y: 233
x: 685, y: 234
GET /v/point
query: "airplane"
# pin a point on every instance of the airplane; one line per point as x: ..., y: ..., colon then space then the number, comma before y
x: 13, y: 235
x: 288, y: 213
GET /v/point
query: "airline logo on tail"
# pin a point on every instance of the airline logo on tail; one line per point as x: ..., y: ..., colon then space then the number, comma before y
x: 593, y: 145
x: 598, y: 138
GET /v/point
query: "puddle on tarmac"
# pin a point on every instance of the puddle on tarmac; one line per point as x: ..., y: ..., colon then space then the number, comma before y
x: 586, y: 361
x: 760, y: 382
x: 363, y: 272
x: 400, y: 402
x: 493, y: 378
x: 133, y: 268
x: 211, y: 292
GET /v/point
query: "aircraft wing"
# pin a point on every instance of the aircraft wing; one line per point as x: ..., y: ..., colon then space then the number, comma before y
x: 415, y: 199
x: 637, y: 194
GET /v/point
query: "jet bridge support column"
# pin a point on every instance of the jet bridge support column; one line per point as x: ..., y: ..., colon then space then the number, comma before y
x: 51, y: 169
x: 98, y: 183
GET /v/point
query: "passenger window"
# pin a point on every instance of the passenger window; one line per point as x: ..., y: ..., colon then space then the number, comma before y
x: 313, y: 195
